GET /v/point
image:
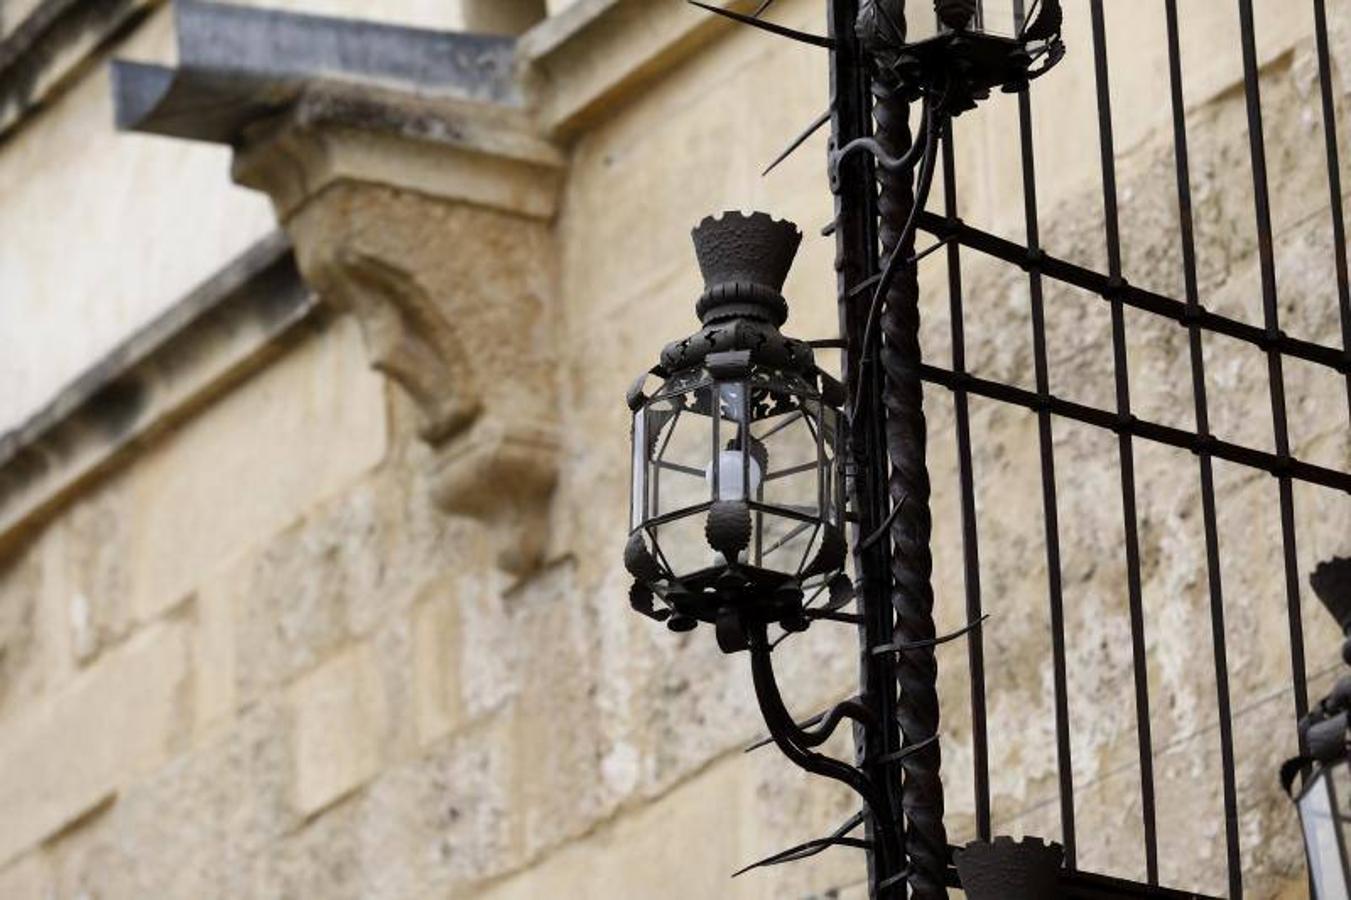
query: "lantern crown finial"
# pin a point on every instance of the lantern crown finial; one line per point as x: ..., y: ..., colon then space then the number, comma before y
x: 745, y: 260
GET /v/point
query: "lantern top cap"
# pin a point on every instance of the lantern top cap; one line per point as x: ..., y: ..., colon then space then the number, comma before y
x: 745, y: 260
x: 956, y: 14
x: 1332, y: 583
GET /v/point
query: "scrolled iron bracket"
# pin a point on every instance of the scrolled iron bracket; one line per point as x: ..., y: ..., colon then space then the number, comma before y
x: 797, y: 743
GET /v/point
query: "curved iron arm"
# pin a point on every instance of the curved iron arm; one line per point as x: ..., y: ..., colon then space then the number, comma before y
x: 794, y: 742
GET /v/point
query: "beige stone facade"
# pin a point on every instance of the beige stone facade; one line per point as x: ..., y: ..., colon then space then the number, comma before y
x: 313, y: 475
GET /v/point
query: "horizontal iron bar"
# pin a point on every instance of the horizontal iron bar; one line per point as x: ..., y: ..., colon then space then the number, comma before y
x: 1131, y: 295
x: 1150, y: 431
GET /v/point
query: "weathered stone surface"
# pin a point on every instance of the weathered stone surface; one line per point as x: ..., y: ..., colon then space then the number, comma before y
x: 120, y: 720
x: 488, y: 401
x: 438, y: 703
x: 30, y: 876
x: 323, y: 418
x: 196, y: 827
x: 21, y: 587
x: 340, y: 716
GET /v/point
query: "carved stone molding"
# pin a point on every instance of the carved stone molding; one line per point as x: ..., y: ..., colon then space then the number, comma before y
x: 417, y: 193
x: 453, y: 302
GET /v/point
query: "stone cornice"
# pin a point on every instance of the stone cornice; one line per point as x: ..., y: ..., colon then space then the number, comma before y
x: 308, y: 101
x: 594, y: 54
x: 485, y: 156
x: 42, y: 50
x: 227, y: 328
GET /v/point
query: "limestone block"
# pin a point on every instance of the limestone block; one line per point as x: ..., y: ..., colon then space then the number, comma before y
x: 93, y: 565
x: 436, y: 649
x: 429, y: 826
x: 300, y: 431
x: 321, y: 859
x: 353, y: 567
x: 340, y: 714
x: 29, y: 877
x: 65, y: 756
x: 21, y: 581
x: 638, y: 857
x: 289, y: 598
x: 196, y: 826
x: 215, y: 659
x: 447, y: 818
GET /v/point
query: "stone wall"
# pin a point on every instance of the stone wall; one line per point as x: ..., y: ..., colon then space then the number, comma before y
x: 257, y: 657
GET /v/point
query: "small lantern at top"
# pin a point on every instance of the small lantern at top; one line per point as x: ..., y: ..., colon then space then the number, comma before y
x: 981, y: 45
x: 738, y: 489
x: 1325, y: 798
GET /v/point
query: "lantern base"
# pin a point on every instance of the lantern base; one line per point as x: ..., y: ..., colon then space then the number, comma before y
x: 737, y: 599
x: 970, y: 64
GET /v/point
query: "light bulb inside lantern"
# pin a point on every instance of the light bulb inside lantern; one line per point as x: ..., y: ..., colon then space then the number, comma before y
x: 732, y: 475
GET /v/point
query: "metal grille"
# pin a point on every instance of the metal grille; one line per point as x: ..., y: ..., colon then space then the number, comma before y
x: 882, y: 199
x: 1113, y: 287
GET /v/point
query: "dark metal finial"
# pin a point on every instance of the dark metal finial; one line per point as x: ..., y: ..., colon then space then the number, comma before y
x: 745, y: 261
x: 956, y: 14
x: 1010, y: 870
x: 1332, y: 583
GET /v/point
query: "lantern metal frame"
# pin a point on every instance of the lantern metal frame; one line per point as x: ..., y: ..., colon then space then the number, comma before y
x: 729, y: 402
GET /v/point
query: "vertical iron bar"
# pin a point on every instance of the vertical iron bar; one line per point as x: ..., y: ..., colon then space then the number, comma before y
x: 1206, y: 462
x: 856, y: 261
x: 912, y: 526
x: 1320, y: 16
x: 1127, y: 449
x: 1275, y: 367
x: 980, y: 751
x: 1050, y: 503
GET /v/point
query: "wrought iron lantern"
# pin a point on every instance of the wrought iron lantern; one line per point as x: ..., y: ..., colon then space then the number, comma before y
x: 1324, y: 801
x: 738, y: 488
x: 973, y: 52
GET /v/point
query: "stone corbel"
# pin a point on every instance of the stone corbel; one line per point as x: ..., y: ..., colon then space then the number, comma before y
x: 444, y: 255
x: 418, y: 195
x: 485, y: 399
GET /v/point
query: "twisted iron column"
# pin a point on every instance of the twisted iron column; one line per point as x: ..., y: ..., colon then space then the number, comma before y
x: 912, y: 525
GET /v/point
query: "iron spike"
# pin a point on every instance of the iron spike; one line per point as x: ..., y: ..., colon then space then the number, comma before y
x: 799, y: 141
x: 933, y: 642
x: 811, y: 848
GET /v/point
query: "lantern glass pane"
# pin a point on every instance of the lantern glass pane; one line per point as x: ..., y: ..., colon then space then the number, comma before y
x: 1340, y: 788
x: 997, y: 17
x: 638, y: 490
x: 1323, y: 811
x: 681, y: 545
x: 789, y: 437
x: 782, y: 543
x: 680, y: 441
